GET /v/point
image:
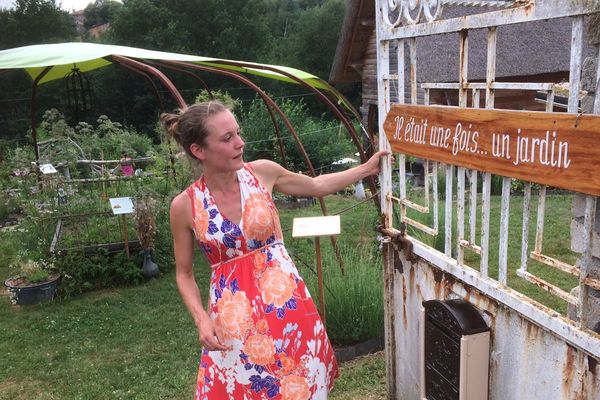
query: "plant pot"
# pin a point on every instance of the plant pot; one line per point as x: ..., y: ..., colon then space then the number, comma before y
x: 149, y: 267
x: 23, y: 292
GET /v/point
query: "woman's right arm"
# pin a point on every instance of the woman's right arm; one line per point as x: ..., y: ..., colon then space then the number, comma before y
x: 183, y: 246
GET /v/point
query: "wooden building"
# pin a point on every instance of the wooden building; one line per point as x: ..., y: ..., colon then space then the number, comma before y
x: 438, y: 59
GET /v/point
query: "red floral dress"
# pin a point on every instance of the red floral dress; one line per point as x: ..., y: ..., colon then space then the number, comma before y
x: 280, y: 349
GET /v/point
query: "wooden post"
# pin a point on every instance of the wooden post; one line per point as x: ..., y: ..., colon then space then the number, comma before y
x: 317, y: 227
x: 320, y: 278
x: 125, y: 238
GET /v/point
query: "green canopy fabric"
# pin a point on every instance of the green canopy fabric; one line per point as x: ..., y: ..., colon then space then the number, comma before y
x: 63, y: 57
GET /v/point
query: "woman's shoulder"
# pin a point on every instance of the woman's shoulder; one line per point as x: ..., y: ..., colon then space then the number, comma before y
x: 265, y: 167
x: 182, y: 200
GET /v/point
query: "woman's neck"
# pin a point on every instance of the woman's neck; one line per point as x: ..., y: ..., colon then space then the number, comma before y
x: 221, y: 181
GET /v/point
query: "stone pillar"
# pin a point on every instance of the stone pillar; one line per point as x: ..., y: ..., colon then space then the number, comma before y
x: 588, y: 84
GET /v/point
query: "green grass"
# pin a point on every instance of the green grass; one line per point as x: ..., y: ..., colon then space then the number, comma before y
x: 140, y: 343
x: 115, y: 344
x: 362, y: 378
x: 557, y: 221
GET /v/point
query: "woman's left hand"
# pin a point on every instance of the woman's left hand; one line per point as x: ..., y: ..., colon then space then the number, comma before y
x: 373, y: 165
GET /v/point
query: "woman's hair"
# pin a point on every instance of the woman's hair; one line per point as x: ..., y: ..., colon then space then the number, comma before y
x: 188, y: 125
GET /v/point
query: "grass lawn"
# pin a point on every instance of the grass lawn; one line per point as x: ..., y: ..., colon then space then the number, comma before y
x: 131, y: 343
x: 140, y: 343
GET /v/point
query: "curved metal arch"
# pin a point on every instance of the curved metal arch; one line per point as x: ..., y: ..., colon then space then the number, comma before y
x: 331, y: 105
x: 153, y: 71
x: 149, y: 79
x: 275, y: 124
x: 286, y: 121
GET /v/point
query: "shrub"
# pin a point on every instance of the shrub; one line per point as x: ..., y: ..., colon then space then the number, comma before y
x: 322, y: 139
x: 353, y: 301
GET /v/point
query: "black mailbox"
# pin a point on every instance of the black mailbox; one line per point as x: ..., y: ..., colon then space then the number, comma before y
x: 455, y: 355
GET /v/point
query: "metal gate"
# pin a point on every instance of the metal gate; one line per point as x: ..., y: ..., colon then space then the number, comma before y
x: 536, y: 352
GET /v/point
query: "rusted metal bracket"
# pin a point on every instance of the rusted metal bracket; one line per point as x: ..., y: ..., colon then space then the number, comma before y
x: 400, y: 243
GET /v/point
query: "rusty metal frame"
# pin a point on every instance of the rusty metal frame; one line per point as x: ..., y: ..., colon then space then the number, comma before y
x: 333, y: 106
x: 205, y: 86
x: 33, y: 104
x: 149, y: 79
x: 286, y: 121
x: 140, y: 66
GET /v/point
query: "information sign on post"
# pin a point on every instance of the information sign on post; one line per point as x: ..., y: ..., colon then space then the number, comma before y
x: 317, y: 227
x: 122, y: 206
x: 47, y: 169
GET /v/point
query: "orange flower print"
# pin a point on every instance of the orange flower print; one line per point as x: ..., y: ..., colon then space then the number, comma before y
x: 262, y: 326
x: 287, y: 363
x: 294, y: 387
x: 260, y: 349
x: 257, y: 219
x: 200, y: 218
x: 200, y: 375
x: 234, y: 314
x: 277, y: 223
x: 276, y: 287
x: 260, y: 262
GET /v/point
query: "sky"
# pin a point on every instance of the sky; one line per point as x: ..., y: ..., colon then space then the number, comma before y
x: 67, y: 5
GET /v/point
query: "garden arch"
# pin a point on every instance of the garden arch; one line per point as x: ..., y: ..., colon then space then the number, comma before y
x: 45, y: 63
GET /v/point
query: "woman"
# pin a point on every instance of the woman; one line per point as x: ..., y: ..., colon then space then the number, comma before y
x: 126, y: 165
x: 261, y: 333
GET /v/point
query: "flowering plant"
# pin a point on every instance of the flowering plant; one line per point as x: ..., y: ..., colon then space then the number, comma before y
x: 31, y: 271
x: 145, y: 221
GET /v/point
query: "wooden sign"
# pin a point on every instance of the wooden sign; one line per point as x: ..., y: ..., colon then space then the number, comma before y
x: 554, y: 149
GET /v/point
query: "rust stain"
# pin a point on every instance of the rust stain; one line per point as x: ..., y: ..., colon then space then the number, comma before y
x: 404, y: 295
x: 592, y: 364
x: 411, y: 275
x: 438, y: 277
x: 532, y: 330
x: 418, y: 287
x: 568, y: 372
x: 449, y: 282
x: 467, y: 293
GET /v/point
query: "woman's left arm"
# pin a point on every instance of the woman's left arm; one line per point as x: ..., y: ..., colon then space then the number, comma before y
x: 274, y: 176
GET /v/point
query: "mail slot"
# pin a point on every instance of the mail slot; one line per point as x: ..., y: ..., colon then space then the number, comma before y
x: 455, y: 351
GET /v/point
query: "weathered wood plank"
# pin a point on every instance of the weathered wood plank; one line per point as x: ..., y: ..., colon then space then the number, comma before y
x: 554, y: 149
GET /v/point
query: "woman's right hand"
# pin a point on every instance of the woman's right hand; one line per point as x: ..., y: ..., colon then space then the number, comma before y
x: 211, y: 335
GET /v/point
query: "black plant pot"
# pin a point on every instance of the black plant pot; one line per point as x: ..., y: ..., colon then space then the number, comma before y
x: 149, y: 267
x: 32, y: 293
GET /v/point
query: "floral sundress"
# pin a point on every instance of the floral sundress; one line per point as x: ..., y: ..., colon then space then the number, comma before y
x: 279, y: 347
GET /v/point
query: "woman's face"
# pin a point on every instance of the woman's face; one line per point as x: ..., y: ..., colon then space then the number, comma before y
x: 224, y: 147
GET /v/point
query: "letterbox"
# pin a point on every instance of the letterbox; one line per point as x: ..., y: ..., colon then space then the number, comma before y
x: 455, y: 351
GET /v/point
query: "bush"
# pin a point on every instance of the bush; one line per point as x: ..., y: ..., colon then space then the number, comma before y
x: 83, y: 273
x: 322, y: 139
x: 353, y: 301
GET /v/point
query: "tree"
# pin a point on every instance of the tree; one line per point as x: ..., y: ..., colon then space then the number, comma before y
x: 34, y: 22
x: 99, y: 12
x: 314, y: 37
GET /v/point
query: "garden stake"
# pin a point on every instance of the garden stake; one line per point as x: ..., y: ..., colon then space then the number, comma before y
x: 125, y: 240
x: 320, y: 278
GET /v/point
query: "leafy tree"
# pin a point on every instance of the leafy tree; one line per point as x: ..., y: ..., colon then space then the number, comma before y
x: 314, y: 38
x: 99, y: 12
x: 236, y: 29
x: 34, y: 22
